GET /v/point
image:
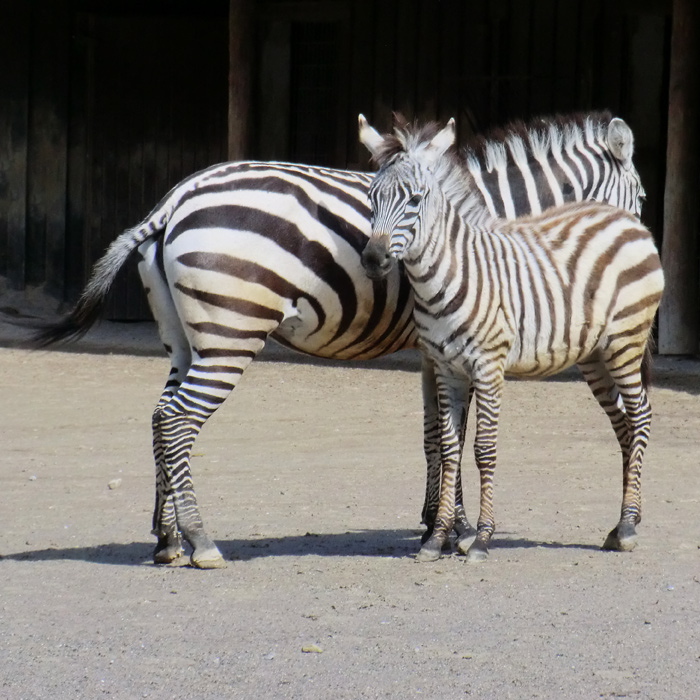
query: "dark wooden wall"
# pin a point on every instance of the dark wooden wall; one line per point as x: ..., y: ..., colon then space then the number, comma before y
x: 110, y: 104
x: 484, y: 62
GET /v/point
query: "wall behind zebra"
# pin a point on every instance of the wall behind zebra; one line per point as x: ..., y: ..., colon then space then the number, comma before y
x: 108, y: 108
x: 111, y: 104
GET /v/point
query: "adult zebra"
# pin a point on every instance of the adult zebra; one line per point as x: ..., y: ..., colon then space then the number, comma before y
x: 577, y: 284
x: 243, y: 251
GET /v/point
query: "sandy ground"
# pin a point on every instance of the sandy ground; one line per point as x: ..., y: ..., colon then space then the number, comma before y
x: 310, y: 478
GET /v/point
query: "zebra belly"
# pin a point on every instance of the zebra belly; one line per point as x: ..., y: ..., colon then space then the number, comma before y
x: 544, y: 361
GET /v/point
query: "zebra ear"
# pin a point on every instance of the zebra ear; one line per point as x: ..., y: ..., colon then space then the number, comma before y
x: 443, y: 140
x: 621, y: 141
x: 369, y: 137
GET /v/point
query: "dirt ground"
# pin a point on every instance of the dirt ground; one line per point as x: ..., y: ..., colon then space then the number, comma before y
x: 310, y: 478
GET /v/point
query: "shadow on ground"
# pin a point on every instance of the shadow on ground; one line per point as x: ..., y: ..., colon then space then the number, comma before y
x: 357, y: 543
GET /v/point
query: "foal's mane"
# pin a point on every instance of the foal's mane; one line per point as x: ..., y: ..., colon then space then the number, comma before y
x: 406, y: 137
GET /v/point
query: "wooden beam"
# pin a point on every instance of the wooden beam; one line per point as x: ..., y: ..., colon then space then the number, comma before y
x: 679, y: 315
x: 241, y: 28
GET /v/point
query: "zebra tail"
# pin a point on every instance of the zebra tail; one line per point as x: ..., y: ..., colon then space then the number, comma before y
x: 89, y: 307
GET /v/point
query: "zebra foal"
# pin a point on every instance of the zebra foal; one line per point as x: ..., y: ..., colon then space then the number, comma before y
x: 577, y: 284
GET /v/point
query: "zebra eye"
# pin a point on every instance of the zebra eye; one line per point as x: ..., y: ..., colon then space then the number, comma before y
x: 416, y: 199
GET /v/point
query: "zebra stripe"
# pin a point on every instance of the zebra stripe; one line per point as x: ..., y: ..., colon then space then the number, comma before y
x: 578, y: 284
x: 243, y: 251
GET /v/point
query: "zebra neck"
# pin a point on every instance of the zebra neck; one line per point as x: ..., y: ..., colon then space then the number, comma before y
x: 444, y: 260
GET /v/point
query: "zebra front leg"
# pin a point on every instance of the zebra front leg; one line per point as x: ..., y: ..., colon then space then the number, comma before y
x: 450, y: 403
x: 431, y: 447
x: 488, y: 406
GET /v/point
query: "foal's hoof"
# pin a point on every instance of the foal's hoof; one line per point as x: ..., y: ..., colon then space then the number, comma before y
x: 207, y: 559
x: 622, y: 539
x: 430, y: 551
x: 464, y: 542
x: 477, y: 552
x: 171, y: 555
x: 446, y: 545
x: 464, y: 531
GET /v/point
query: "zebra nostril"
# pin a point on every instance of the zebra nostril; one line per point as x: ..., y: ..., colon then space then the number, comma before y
x: 376, y: 261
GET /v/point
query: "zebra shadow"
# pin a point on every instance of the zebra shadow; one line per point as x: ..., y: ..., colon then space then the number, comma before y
x: 515, y: 543
x: 402, y: 544
x: 378, y: 543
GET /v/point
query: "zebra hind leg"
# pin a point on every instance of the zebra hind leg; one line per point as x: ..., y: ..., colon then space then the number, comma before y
x: 178, y: 422
x: 608, y: 396
x: 628, y: 380
x: 169, y: 548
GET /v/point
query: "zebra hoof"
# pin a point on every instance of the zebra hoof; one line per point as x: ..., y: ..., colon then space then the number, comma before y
x: 464, y: 531
x: 207, y: 559
x: 464, y: 542
x: 180, y: 561
x: 477, y: 553
x: 430, y: 551
x: 622, y: 539
x: 170, y: 555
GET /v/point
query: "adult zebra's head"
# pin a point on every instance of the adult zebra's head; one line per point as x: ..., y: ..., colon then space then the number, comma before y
x: 622, y: 187
x: 399, y: 201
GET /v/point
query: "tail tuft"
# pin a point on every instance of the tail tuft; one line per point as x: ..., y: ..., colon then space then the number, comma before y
x: 89, y: 307
x: 68, y: 329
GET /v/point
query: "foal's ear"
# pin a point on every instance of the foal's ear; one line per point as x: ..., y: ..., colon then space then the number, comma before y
x: 621, y: 141
x: 369, y: 137
x: 442, y: 141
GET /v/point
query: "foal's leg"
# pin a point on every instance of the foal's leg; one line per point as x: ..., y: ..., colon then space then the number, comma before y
x: 608, y: 396
x: 431, y: 446
x: 451, y: 392
x: 488, y: 393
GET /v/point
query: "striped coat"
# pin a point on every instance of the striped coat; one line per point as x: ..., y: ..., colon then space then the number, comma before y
x: 577, y: 284
x: 241, y: 252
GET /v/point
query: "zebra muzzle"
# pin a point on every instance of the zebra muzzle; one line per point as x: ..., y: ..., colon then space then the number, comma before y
x: 376, y: 258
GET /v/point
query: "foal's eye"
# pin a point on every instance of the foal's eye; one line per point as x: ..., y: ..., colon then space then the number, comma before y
x: 416, y: 199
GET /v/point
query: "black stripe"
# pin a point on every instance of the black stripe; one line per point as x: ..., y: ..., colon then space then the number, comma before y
x: 276, y: 182
x: 226, y: 331
x: 241, y: 306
